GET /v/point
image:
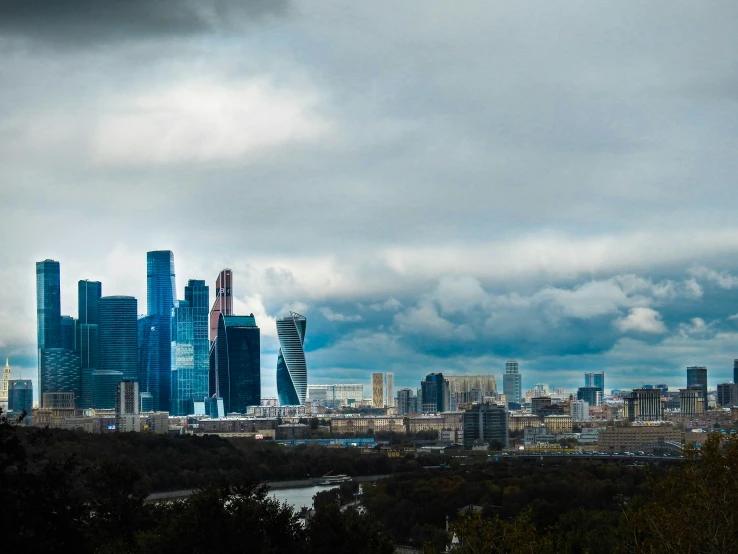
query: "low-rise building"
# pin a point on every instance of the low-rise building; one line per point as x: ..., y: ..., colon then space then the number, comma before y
x: 345, y: 425
x: 518, y: 422
x: 636, y: 437
x: 558, y: 424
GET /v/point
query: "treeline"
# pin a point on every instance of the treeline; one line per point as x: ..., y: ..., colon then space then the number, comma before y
x: 187, y: 462
x: 53, y: 503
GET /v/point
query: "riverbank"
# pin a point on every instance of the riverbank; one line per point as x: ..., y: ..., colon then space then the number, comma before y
x: 273, y: 485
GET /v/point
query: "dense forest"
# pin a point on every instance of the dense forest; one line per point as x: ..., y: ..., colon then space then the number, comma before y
x: 66, y: 490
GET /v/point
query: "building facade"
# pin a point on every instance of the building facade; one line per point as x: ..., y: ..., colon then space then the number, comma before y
x: 644, y: 405
x: 697, y: 379
x: 435, y: 393
x: 60, y: 371
x: 407, y: 402
x: 48, y: 304
x: 160, y: 297
x: 235, y: 362
x: 485, y: 423
x: 591, y: 395
x: 389, y: 392
x: 579, y: 410
x: 378, y: 390
x: 291, y: 364
x: 127, y: 406
x: 691, y: 402
x: 595, y: 380
x: 727, y: 395
x: 7, y: 376
x: 20, y: 399
x: 223, y: 300
x: 118, y: 335
x: 512, y: 386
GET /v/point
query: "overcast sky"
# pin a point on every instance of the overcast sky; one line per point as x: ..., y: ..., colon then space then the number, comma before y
x: 436, y: 186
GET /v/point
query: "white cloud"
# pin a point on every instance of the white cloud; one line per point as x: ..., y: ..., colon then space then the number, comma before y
x: 330, y: 315
x: 722, y: 279
x: 204, y: 121
x: 642, y: 320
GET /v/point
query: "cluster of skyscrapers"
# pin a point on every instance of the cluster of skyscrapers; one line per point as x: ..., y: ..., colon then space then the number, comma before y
x: 185, y: 357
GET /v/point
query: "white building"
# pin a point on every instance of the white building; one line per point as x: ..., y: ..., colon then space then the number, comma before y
x: 579, y: 410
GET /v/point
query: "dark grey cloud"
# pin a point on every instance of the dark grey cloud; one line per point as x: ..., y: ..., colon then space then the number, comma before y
x: 88, y: 22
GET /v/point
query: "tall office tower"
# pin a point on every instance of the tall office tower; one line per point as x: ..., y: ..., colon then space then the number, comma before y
x: 435, y: 393
x: 223, y: 301
x: 644, y: 405
x: 378, y: 390
x: 160, y: 295
x: 485, y: 423
x: 727, y: 395
x: 236, y: 363
x: 511, y: 382
x: 68, y: 332
x: 291, y: 365
x: 591, y: 395
x: 59, y: 371
x: 48, y: 304
x: 20, y: 398
x: 735, y: 371
x: 4, y: 386
x: 466, y: 389
x: 150, y: 331
x: 406, y: 402
x: 595, y: 380
x: 191, y: 345
x: 118, y: 335
x: 697, y: 379
x: 389, y: 391
x: 88, y: 297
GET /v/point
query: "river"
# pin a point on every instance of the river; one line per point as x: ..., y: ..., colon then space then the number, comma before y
x: 299, y: 496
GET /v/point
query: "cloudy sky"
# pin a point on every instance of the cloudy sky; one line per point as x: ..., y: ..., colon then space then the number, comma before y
x: 437, y: 186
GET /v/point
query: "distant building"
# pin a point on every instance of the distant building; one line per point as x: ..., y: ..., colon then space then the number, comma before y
x: 160, y: 301
x: 512, y: 383
x: 104, y: 388
x: 591, y: 395
x: 595, y: 380
x: 20, y: 399
x: 735, y: 371
x: 389, y: 391
x: 727, y: 395
x: 223, y: 301
x: 291, y: 364
x: 333, y: 396
x: 691, y: 402
x: 636, y: 438
x: 697, y: 379
x: 236, y: 361
x: 435, y: 393
x: 539, y: 403
x: 407, y: 402
x: 644, y: 405
x: 4, y: 384
x: 486, y: 423
x: 467, y: 389
x: 68, y: 332
x: 58, y: 400
x: 60, y: 371
x: 378, y: 390
x: 579, y: 410
x: 127, y: 406
x: 48, y: 305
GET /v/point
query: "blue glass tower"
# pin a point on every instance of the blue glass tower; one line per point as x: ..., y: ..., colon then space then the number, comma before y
x: 118, y: 335
x: 150, y: 328
x: 20, y: 398
x: 291, y: 365
x: 236, y: 362
x: 160, y: 295
x: 48, y: 304
x: 59, y: 371
x: 88, y: 297
x: 191, y: 346
x: 87, y: 340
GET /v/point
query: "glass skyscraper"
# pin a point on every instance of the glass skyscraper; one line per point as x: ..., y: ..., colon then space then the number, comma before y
x: 235, y: 363
x: 87, y: 340
x: 697, y: 379
x: 435, y: 393
x: 88, y: 297
x: 160, y: 296
x: 59, y: 371
x: 191, y: 345
x: 291, y: 365
x: 512, y: 386
x: 20, y: 398
x: 118, y: 335
x: 223, y: 300
x: 68, y: 332
x: 48, y: 304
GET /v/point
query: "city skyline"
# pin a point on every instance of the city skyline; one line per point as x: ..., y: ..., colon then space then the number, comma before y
x: 512, y: 185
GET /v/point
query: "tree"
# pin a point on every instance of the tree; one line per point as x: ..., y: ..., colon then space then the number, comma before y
x: 332, y: 531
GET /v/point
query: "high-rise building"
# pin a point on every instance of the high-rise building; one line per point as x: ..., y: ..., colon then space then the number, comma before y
x: 20, y: 398
x: 88, y: 296
x: 591, y: 395
x: 87, y: 340
x: 539, y: 404
x: 118, y: 335
x: 407, y: 402
x: 291, y: 365
x: 735, y: 371
x: 595, y: 380
x: 150, y: 329
x: 378, y: 390
x: 697, y: 378
x: 512, y: 383
x: 223, y: 300
x: 127, y: 406
x: 235, y: 362
x: 105, y: 388
x: 160, y: 296
x: 191, y: 345
x: 727, y: 395
x: 4, y: 384
x: 691, y: 401
x: 68, y: 332
x: 48, y: 304
x: 389, y: 391
x: 485, y: 423
x: 579, y: 410
x: 644, y: 405
x: 435, y: 393
x: 60, y: 371
x: 466, y: 389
